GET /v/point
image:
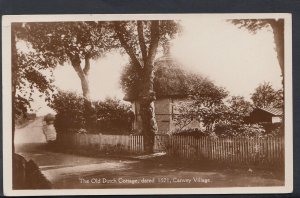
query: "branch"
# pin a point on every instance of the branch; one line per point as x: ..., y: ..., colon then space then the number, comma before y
x: 75, y: 61
x: 140, y: 29
x: 185, y: 124
x: 154, y: 38
x: 121, y: 31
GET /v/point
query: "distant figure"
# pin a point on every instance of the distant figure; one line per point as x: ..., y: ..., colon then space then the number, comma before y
x: 48, y: 128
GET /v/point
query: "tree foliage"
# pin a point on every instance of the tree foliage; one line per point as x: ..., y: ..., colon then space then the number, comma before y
x: 73, y: 42
x: 76, y: 43
x: 28, y: 74
x: 205, y: 104
x: 266, y: 96
x: 169, y: 80
x: 239, y: 109
x: 63, y: 41
x: 211, y: 109
x: 113, y: 116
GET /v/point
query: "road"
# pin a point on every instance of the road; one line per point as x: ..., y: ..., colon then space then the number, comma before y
x: 32, y: 133
x: 70, y: 171
x: 30, y: 142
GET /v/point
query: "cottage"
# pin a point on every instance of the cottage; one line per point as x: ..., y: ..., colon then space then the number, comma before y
x: 171, y: 87
x: 266, y: 115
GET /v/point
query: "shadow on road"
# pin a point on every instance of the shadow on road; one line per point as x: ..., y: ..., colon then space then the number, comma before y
x: 32, y: 147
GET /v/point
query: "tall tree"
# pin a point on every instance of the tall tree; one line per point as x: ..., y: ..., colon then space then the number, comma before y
x: 266, y: 96
x: 74, y: 42
x: 277, y: 25
x: 140, y: 40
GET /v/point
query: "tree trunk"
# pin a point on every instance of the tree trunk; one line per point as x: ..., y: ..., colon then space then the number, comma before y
x: 85, y: 86
x: 147, y: 98
x: 89, y: 110
x: 149, y: 125
x: 278, y: 31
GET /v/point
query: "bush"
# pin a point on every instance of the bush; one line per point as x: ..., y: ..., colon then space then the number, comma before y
x: 112, y: 116
x: 251, y: 130
x: 273, y: 129
x: 223, y: 129
x: 69, y: 108
x: 248, y: 130
x: 191, y: 132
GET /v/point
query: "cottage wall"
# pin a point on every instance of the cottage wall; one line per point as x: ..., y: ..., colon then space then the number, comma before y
x: 165, y: 112
x: 162, y: 113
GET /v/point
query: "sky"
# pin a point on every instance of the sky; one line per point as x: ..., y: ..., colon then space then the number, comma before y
x: 229, y: 56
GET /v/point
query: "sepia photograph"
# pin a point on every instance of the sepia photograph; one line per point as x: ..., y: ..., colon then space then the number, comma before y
x: 147, y: 104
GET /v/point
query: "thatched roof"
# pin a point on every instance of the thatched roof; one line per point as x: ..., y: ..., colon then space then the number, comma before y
x: 171, y: 80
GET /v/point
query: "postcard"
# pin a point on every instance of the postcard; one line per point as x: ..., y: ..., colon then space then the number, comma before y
x: 132, y: 104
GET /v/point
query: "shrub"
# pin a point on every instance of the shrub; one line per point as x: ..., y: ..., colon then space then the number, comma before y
x: 195, y: 132
x: 113, y: 117
x: 251, y: 130
x: 69, y: 108
x: 273, y: 129
x: 223, y: 129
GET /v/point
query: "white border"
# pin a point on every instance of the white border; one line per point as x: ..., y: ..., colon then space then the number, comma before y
x: 7, y: 111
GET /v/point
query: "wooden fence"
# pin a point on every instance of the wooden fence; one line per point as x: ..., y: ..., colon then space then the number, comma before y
x: 232, y: 150
x: 105, y: 143
x: 229, y: 150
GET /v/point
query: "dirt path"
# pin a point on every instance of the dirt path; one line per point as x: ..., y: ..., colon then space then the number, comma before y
x: 32, y: 133
x: 68, y: 171
x: 142, y: 174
